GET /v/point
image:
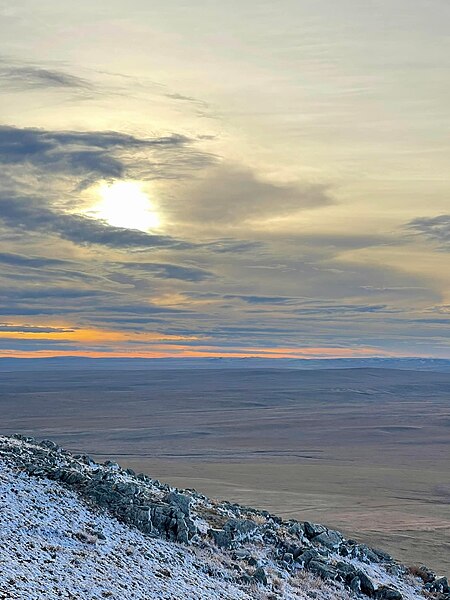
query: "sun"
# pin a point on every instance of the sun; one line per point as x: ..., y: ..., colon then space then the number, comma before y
x: 125, y: 204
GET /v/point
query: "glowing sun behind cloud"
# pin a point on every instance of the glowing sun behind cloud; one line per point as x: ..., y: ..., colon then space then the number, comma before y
x: 125, y: 204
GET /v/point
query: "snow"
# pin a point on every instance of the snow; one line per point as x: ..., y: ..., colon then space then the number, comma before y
x: 52, y: 547
x: 41, y: 559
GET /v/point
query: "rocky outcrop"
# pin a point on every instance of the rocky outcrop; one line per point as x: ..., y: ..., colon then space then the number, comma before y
x: 257, y: 542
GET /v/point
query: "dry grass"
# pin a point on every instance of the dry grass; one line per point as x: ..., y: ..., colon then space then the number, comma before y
x: 210, y: 515
x: 420, y: 571
x: 258, y: 519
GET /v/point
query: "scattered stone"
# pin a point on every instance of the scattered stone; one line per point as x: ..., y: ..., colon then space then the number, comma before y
x: 85, y: 538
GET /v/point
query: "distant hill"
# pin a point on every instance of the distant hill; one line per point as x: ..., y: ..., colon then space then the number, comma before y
x: 81, y: 363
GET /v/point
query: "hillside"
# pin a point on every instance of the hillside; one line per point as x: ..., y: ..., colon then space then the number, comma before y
x: 72, y: 528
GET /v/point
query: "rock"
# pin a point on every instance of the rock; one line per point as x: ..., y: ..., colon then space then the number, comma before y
x: 330, y: 539
x: 440, y: 584
x: 241, y: 555
x: 365, y: 554
x: 382, y: 555
x: 223, y: 539
x: 241, y: 527
x: 181, y: 501
x: 367, y: 586
x: 308, y: 556
x: 260, y: 576
x: 49, y: 444
x: 86, y: 538
x: 355, y: 584
x: 324, y: 570
x: 346, y: 572
x: 313, y: 529
x: 386, y: 593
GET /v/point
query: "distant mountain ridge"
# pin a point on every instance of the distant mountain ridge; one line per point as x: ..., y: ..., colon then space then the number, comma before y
x: 80, y: 363
x: 58, y: 516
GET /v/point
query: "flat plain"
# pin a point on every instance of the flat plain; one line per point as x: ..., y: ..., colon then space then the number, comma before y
x: 366, y: 451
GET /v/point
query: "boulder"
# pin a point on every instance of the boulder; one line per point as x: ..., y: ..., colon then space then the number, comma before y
x: 181, y: 501
x: 330, y: 539
x: 387, y: 593
x: 366, y: 584
x: 440, y: 584
x: 346, y: 572
x: 308, y: 556
x: 322, y: 569
x: 260, y: 576
x: 313, y: 529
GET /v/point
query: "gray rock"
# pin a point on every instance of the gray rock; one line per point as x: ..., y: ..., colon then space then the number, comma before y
x: 260, y: 576
x: 355, y: 584
x: 367, y: 586
x: 308, y: 556
x: 330, y: 539
x: 322, y: 569
x: 438, y: 585
x: 223, y: 539
x: 181, y: 501
x: 241, y: 527
x: 346, y: 572
x: 313, y: 529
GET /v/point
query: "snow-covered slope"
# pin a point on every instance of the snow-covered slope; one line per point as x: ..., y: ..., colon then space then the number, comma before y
x: 73, y: 529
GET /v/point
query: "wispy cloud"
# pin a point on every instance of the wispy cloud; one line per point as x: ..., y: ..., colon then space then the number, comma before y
x: 433, y: 229
x: 21, y: 76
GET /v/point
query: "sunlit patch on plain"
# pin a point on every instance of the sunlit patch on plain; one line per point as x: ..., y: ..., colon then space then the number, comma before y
x: 125, y: 204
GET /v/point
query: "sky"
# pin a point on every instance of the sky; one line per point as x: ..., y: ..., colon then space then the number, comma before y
x: 245, y: 178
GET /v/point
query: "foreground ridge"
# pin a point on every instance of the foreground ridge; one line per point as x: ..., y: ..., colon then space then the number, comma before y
x: 122, y: 534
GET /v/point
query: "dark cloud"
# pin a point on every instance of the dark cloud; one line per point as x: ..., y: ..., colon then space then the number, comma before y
x: 344, y: 309
x: 261, y: 299
x: 169, y: 271
x: 9, y: 328
x: 434, y: 229
x: 98, y: 153
x: 29, y: 215
x: 33, y: 262
x: 18, y: 310
x: 21, y: 76
x: 230, y: 245
x: 231, y: 195
x: 46, y: 293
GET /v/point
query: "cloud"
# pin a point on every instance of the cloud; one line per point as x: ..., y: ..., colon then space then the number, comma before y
x: 87, y: 154
x: 20, y: 75
x: 27, y: 214
x: 230, y: 245
x: 433, y: 229
x: 33, y: 262
x: 229, y: 195
x: 169, y: 271
x: 261, y: 299
x: 10, y: 328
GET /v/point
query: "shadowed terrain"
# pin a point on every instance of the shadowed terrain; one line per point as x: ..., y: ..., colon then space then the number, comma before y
x: 363, y: 450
